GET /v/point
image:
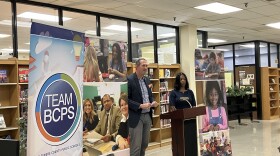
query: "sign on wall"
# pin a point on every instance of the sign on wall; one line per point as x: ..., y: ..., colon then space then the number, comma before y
x: 55, y: 97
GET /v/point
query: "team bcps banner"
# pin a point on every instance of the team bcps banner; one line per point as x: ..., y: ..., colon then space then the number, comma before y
x: 55, y: 98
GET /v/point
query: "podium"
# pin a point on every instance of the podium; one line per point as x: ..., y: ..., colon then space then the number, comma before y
x: 184, y: 130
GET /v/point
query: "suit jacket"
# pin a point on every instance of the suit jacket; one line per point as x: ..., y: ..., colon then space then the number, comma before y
x: 114, y: 121
x: 135, y: 99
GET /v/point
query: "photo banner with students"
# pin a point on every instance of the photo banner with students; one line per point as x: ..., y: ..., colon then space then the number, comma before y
x: 104, y: 84
x: 55, y: 91
x: 213, y: 127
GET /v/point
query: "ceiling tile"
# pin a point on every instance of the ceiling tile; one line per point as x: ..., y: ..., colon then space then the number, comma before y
x: 266, y: 10
x: 245, y: 15
x: 165, y: 5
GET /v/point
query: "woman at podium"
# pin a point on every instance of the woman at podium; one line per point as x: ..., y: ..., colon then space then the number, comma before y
x: 215, y: 118
x: 181, y: 96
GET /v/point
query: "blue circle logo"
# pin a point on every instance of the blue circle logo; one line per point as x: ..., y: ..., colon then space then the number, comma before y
x: 58, y: 108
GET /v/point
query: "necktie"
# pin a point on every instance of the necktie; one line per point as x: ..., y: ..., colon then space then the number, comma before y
x: 106, y: 124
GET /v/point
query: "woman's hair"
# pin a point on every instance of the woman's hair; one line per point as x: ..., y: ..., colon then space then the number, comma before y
x: 91, y: 115
x: 177, y: 84
x: 210, y: 85
x: 119, y: 57
x: 124, y: 98
x: 91, y: 68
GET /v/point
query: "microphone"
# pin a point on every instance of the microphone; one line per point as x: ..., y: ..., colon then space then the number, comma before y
x: 187, y: 99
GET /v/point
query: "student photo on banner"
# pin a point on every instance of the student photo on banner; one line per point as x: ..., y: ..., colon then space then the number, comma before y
x: 216, y: 116
x: 105, y: 118
x: 209, y: 64
x: 108, y: 60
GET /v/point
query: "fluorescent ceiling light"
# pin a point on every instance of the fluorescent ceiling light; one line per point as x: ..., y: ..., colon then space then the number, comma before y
x: 274, y: 25
x: 121, y: 28
x: 167, y: 35
x: 42, y: 17
x: 11, y: 50
x: 163, y: 41
x: 93, y: 33
x: 218, y: 8
x: 4, y: 35
x: 250, y: 45
x: 211, y: 40
x: 28, y: 43
x: 19, y: 23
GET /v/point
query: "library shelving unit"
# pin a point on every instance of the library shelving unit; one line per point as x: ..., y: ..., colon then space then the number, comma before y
x: 270, y: 93
x: 162, y: 78
x: 167, y: 75
x: 23, y: 67
x: 155, y: 135
x: 9, y: 100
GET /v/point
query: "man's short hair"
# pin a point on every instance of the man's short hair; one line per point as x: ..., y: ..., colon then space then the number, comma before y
x: 139, y: 60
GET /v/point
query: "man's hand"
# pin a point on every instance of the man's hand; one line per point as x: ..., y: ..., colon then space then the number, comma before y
x: 106, y: 138
x: 122, y: 143
x: 154, y: 104
x: 145, y: 106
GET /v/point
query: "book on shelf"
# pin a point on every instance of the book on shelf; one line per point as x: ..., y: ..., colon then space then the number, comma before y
x: 2, y: 121
x: 3, y: 76
x: 163, y: 86
x: 151, y: 73
x: 271, y: 80
x: 165, y: 123
x: 167, y: 73
x: 161, y: 73
x: 23, y: 74
x: 164, y: 98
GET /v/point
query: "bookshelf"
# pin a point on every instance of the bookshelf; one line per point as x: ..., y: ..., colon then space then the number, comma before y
x: 167, y: 75
x: 9, y: 98
x: 162, y: 84
x: 23, y: 67
x: 270, y: 93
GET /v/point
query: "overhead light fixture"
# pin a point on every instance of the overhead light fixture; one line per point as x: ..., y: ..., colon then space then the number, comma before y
x: 42, y: 17
x: 19, y: 23
x: 163, y: 41
x: 167, y: 35
x: 274, y: 25
x: 250, y: 45
x: 11, y: 50
x: 218, y: 8
x: 211, y: 40
x: 121, y: 28
x: 4, y: 35
x: 89, y: 33
x: 28, y: 43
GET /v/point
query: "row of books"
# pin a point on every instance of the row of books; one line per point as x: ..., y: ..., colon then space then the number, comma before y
x: 163, y: 73
x: 22, y: 72
x: 164, y: 109
x: 165, y: 123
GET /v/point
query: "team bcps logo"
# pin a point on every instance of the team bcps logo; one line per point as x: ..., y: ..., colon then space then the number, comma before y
x: 58, y: 109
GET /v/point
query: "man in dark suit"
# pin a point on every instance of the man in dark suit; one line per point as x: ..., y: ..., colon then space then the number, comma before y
x: 140, y: 103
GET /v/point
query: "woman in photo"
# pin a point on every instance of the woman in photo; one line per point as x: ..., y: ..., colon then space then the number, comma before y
x: 215, y: 118
x: 122, y: 136
x: 181, y: 96
x: 91, y: 68
x: 117, y: 65
x: 90, y: 118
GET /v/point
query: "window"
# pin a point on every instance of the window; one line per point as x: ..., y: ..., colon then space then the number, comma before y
x: 245, y: 53
x: 166, y: 45
x: 142, y: 42
x: 228, y: 56
x: 25, y: 15
x: 6, y: 42
x: 263, y: 54
x: 81, y: 22
x: 273, y: 55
